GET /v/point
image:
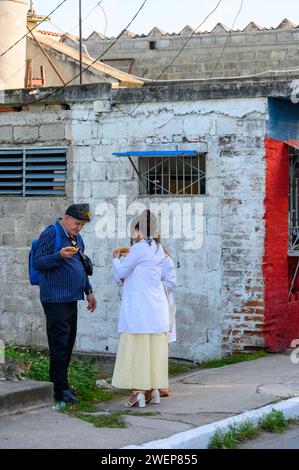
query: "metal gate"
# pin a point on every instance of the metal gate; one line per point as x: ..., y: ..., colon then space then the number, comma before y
x: 294, y: 201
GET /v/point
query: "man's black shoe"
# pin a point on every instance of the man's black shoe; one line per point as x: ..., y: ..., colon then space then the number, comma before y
x: 68, y: 397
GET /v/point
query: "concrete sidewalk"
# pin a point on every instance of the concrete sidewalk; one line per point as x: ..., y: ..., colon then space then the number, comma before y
x: 198, y: 398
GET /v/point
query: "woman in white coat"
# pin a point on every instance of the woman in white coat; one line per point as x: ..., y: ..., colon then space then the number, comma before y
x: 142, y: 357
x: 169, y: 280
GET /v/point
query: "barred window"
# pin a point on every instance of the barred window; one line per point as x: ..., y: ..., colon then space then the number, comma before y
x: 166, y: 175
x: 38, y: 172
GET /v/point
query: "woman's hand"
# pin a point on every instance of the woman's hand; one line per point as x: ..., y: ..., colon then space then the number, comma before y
x: 116, y: 254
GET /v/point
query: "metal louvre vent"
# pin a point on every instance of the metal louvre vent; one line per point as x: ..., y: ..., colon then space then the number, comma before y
x: 11, y: 172
x: 40, y: 172
x: 173, y: 175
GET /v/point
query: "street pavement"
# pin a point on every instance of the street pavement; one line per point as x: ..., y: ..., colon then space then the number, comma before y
x: 287, y: 440
x: 200, y: 397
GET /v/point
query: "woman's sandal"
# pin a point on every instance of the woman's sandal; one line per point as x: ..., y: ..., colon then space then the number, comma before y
x: 136, y: 398
x: 148, y: 396
x: 152, y: 396
x: 164, y: 392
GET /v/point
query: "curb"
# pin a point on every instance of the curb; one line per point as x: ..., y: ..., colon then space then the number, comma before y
x: 21, y: 396
x: 200, y: 437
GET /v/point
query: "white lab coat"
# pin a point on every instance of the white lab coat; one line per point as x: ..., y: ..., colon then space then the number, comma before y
x: 144, y: 306
x: 169, y: 279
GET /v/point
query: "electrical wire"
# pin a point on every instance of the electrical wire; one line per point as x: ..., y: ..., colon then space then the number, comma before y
x: 184, y: 46
x: 95, y: 60
x: 59, y: 29
x: 22, y: 67
x: 188, y: 40
x: 172, y: 61
x: 236, y: 77
x: 76, y: 25
x: 227, y: 40
x: 106, y: 19
x: 32, y: 29
x: 88, y: 14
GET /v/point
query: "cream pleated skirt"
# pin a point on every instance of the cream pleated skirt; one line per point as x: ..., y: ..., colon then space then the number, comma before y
x: 141, y: 362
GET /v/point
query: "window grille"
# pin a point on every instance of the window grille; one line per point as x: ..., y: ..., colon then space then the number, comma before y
x: 294, y: 201
x: 38, y: 172
x: 178, y: 175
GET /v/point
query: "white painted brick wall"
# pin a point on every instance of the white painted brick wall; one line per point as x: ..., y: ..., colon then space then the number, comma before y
x: 206, y: 278
x: 216, y: 281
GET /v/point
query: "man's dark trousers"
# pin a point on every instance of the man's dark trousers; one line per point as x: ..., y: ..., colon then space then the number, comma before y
x: 61, y: 331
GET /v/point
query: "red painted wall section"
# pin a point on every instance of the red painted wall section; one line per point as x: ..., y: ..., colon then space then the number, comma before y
x: 275, y: 263
x: 293, y: 320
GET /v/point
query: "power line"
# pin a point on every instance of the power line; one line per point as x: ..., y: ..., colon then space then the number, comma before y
x: 97, y: 59
x: 105, y: 27
x: 188, y: 40
x: 228, y: 38
x: 173, y: 60
x: 98, y: 5
x: 59, y: 29
x: 80, y: 43
x: 106, y: 19
x: 88, y: 14
x: 34, y: 27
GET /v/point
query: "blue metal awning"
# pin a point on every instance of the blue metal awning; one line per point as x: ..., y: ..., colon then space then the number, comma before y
x: 172, y: 153
x: 165, y: 153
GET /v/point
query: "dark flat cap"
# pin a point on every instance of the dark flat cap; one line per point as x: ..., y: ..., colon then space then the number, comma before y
x: 79, y: 211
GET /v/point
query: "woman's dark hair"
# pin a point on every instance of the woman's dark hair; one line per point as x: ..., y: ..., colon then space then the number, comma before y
x: 166, y: 251
x: 148, y: 229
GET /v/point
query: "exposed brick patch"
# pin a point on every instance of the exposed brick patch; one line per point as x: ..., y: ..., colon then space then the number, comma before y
x: 254, y: 303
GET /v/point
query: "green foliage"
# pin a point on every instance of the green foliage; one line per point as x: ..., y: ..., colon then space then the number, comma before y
x: 246, y: 430
x: 233, y: 360
x: 84, y: 406
x: 236, y: 433
x: 39, y: 361
x: 274, y: 422
x: 176, y: 368
x: 82, y: 375
x: 111, y: 420
x: 138, y: 413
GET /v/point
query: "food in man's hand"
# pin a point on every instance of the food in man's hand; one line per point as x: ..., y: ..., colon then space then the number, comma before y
x: 71, y: 248
x: 123, y: 251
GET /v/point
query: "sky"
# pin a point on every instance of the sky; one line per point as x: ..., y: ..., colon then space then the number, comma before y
x: 169, y: 15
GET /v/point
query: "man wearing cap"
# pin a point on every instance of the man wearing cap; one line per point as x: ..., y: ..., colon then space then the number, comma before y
x: 63, y: 282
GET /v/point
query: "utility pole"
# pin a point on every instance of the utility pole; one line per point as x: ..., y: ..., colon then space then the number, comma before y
x: 80, y: 39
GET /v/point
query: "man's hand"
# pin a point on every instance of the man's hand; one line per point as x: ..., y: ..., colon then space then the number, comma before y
x: 68, y: 252
x: 92, y: 303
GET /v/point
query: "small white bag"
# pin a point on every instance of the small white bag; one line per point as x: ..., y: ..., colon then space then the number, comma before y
x: 171, y: 309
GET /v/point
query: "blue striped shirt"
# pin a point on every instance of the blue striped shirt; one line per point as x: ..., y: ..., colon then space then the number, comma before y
x: 62, y: 280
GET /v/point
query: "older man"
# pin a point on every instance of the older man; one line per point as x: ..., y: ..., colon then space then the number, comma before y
x: 62, y: 283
